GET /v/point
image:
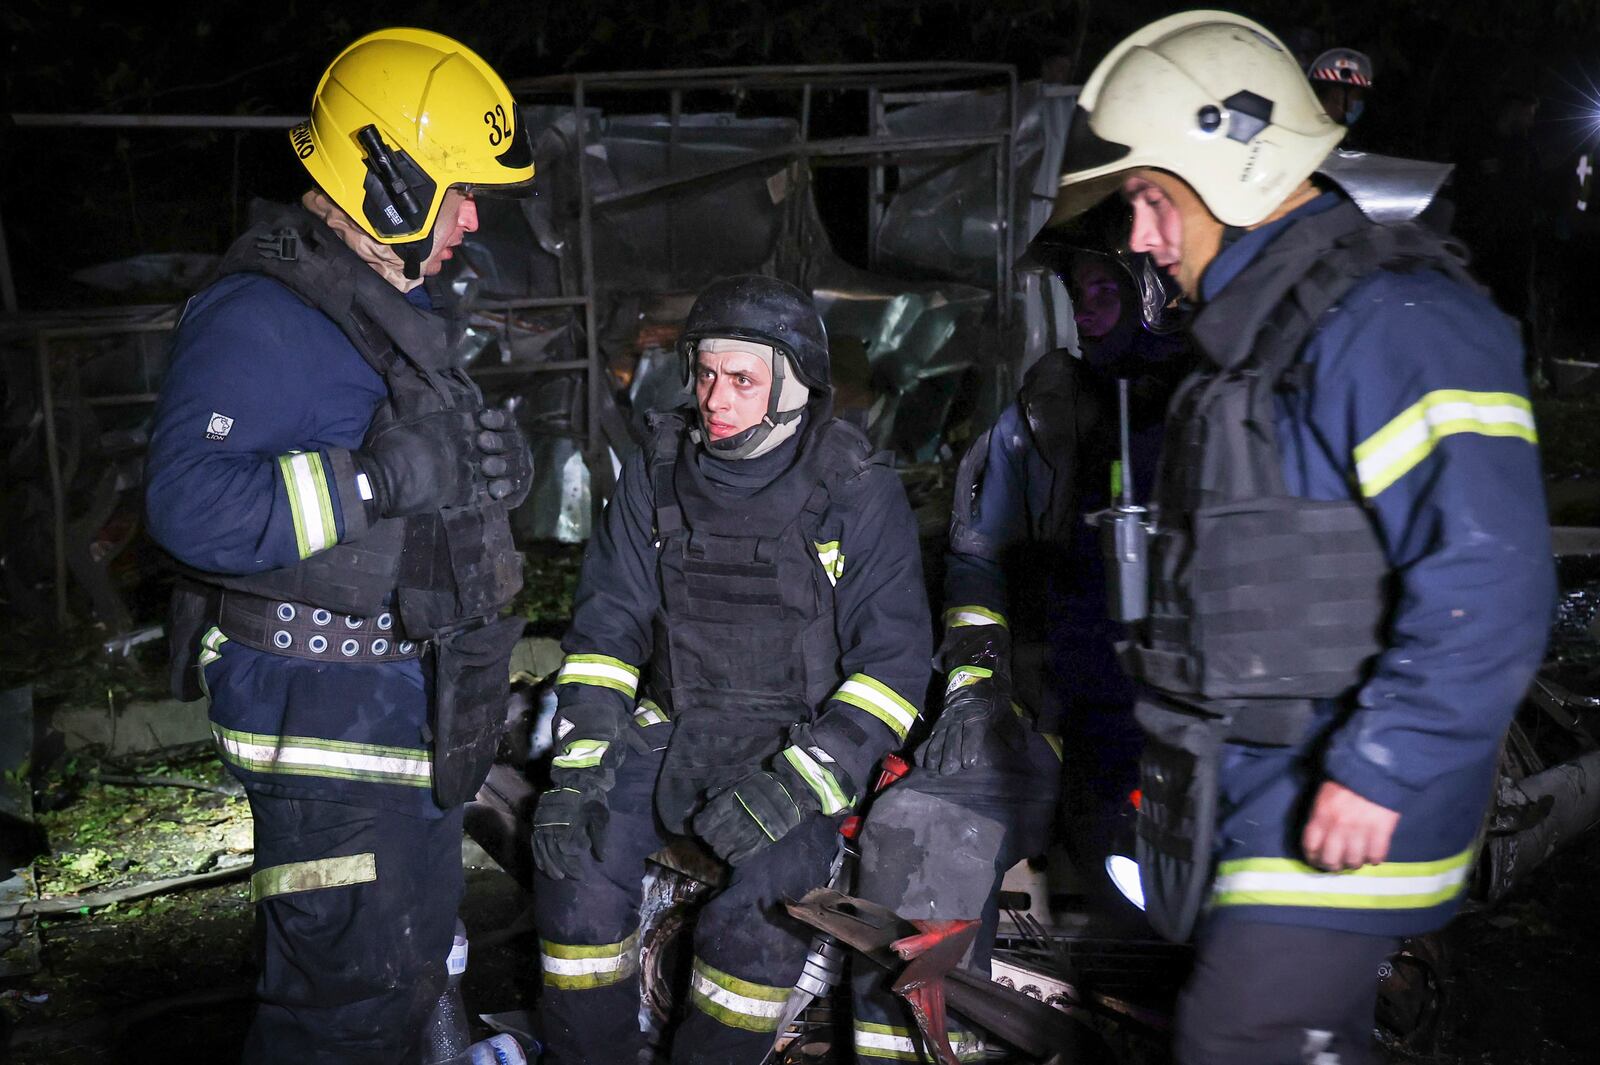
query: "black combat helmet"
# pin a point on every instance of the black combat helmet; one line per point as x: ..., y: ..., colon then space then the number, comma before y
x: 764, y: 310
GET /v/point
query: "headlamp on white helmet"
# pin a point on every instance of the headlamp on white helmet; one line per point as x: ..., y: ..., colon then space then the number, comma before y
x: 1209, y: 96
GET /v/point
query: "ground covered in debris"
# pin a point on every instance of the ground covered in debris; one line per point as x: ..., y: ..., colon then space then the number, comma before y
x: 1521, y: 977
x: 145, y: 980
x: 143, y: 951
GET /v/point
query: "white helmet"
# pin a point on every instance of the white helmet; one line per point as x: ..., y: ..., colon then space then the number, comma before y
x: 1209, y: 96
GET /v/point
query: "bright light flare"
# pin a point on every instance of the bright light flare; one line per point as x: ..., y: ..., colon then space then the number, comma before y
x: 1124, y: 872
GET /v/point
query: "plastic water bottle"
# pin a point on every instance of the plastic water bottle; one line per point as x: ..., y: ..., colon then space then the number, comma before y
x: 446, y: 1034
x: 498, y: 1050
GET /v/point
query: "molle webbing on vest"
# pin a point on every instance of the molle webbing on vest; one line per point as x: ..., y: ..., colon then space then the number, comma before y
x: 745, y: 645
x: 436, y: 570
x: 1255, y: 593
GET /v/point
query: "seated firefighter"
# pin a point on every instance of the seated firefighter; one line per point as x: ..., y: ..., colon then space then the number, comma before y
x: 1024, y: 574
x: 751, y: 635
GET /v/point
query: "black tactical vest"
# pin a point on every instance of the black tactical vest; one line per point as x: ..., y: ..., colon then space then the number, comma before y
x: 1257, y: 595
x: 745, y: 640
x: 438, y: 570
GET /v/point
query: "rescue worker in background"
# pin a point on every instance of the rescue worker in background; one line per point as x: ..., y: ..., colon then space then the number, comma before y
x: 1350, y: 574
x: 750, y: 636
x: 1342, y: 78
x: 1028, y: 651
x: 319, y: 466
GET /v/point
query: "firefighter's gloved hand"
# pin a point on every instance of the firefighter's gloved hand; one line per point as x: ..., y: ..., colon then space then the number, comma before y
x: 568, y: 823
x: 754, y: 814
x: 507, y: 464
x: 977, y: 727
x: 443, y: 459
x: 422, y: 464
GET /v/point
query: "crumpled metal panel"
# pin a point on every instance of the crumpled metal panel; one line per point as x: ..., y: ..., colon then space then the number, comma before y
x: 662, y: 243
x: 557, y: 507
x: 919, y: 339
x: 908, y: 348
x: 650, y: 244
x: 1389, y: 190
x: 943, y: 222
x: 1045, y: 321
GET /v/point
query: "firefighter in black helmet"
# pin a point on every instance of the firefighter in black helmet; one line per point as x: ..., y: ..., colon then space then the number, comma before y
x: 751, y: 635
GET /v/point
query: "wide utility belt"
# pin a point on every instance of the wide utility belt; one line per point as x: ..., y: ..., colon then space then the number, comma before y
x: 301, y: 630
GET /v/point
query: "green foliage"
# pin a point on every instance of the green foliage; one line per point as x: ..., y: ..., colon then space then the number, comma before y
x: 549, y: 580
x: 104, y: 835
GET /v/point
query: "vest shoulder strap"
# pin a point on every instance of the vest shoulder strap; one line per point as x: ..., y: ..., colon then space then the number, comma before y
x: 1272, y: 308
x: 842, y: 455
x: 665, y: 431
x: 300, y: 252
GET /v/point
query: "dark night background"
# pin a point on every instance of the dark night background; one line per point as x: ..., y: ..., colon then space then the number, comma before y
x: 70, y: 198
x: 1523, y: 975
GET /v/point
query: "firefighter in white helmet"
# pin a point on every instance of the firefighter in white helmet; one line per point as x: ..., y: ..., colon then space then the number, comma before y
x: 1350, y: 575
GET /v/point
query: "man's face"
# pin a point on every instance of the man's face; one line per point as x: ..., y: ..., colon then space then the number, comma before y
x: 458, y: 216
x: 1097, y: 301
x: 1173, y: 226
x: 1343, y: 102
x: 731, y: 389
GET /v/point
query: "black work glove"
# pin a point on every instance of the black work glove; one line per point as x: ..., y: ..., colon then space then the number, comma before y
x: 444, y: 459
x: 566, y: 824
x: 507, y: 464
x: 977, y: 726
x: 754, y: 814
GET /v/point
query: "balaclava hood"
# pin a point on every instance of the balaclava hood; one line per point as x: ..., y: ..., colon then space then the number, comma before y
x: 784, y: 406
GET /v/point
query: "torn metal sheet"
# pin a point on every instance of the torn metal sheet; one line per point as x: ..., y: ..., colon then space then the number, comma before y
x: 158, y: 272
x: 942, y: 221
x: 557, y: 507
x: 920, y: 339
x: 933, y: 953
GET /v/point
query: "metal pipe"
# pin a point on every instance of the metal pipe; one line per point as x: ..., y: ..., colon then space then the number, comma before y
x: 1008, y: 220
x: 676, y: 114
x: 1001, y: 296
x: 1569, y: 792
x: 58, y: 495
x: 158, y: 121
x: 860, y: 75
x: 599, y: 467
x: 838, y: 148
x: 129, y: 399
x: 555, y: 366
x: 877, y: 183
x: 8, y: 288
x: 531, y: 303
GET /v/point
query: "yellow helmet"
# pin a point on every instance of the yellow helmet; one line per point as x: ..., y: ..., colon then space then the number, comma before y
x: 1210, y: 96
x: 400, y: 117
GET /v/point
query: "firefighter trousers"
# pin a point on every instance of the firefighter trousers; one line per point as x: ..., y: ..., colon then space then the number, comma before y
x: 355, y: 916
x: 1271, y: 994
x: 748, y: 952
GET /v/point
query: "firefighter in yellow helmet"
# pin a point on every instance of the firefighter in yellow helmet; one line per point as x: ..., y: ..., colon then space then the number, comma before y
x: 1350, y: 579
x: 338, y: 498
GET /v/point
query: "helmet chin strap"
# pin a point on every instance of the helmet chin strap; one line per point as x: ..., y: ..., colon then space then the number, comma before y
x: 414, y: 253
x: 760, y: 438
x: 775, y: 425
